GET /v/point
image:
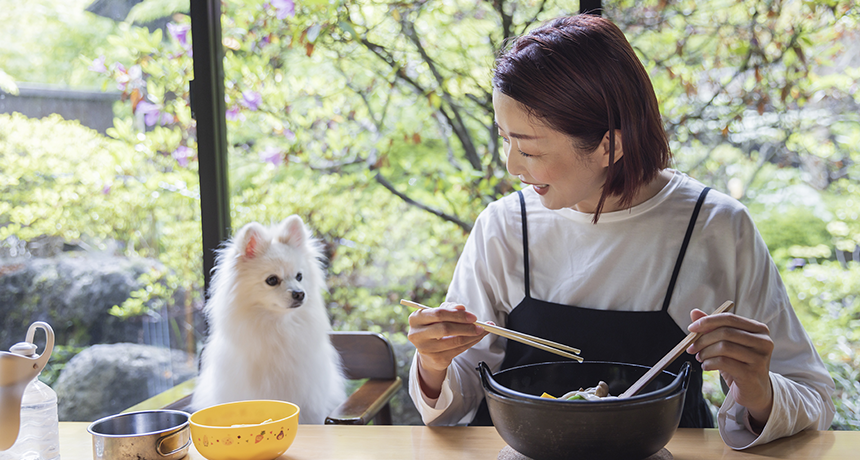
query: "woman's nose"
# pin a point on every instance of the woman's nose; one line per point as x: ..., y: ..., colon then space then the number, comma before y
x: 512, y: 162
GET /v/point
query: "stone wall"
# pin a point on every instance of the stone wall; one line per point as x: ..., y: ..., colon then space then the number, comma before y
x: 92, y: 108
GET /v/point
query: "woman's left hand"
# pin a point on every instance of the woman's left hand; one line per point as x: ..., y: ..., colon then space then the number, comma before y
x: 740, y: 348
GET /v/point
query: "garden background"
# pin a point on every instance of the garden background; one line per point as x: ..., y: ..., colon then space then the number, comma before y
x: 373, y: 121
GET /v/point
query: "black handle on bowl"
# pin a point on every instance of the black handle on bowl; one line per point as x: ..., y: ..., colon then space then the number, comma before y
x: 492, y: 386
x: 487, y: 380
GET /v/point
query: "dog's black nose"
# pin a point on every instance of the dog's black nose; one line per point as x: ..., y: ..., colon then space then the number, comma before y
x: 298, y: 295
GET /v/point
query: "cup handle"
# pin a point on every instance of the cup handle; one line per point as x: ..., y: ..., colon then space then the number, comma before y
x: 49, y: 341
x: 162, y: 440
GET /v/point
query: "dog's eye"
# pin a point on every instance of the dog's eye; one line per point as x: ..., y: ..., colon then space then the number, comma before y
x: 273, y: 280
x: 298, y: 277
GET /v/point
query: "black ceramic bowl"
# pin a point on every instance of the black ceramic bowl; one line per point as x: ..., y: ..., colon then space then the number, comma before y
x: 546, y: 429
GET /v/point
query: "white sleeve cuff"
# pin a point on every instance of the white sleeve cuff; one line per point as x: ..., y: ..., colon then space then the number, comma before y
x: 429, y: 408
x: 734, y: 423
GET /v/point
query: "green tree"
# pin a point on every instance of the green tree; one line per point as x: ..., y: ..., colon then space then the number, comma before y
x: 373, y: 121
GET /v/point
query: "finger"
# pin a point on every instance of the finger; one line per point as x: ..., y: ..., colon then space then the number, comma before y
x: 750, y: 385
x: 441, y: 359
x: 706, y: 324
x: 732, y: 354
x: 696, y: 314
x: 448, y: 342
x: 453, y: 313
x: 727, y: 377
x: 759, y: 343
x: 454, y: 346
x: 426, y: 337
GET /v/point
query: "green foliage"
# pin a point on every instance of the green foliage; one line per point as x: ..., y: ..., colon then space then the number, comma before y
x: 786, y: 232
x: 49, y: 192
x: 846, y: 374
x: 106, y: 191
x: 826, y: 297
x: 43, y: 42
x: 150, y: 10
x: 373, y: 121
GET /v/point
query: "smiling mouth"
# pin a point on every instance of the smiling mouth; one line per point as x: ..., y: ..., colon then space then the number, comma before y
x: 536, y: 185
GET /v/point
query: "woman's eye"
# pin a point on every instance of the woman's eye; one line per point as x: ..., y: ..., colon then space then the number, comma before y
x: 525, y: 154
x: 298, y: 277
x: 273, y: 280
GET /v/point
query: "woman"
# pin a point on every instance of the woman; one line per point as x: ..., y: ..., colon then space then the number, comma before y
x: 608, y: 250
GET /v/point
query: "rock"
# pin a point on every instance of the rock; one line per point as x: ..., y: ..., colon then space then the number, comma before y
x: 104, y: 380
x: 71, y: 293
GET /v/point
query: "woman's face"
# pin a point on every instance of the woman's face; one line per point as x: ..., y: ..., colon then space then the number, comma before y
x: 546, y: 159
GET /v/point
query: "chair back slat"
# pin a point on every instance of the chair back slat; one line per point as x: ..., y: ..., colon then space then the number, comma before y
x: 365, y: 354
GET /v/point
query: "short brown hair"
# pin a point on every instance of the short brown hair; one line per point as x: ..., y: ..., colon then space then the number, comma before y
x: 580, y: 76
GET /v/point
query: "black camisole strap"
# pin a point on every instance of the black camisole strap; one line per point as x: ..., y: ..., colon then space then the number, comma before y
x: 525, y: 242
x: 687, y: 236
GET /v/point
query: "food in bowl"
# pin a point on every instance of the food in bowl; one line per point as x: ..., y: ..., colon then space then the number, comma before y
x: 601, y: 391
x: 245, y: 430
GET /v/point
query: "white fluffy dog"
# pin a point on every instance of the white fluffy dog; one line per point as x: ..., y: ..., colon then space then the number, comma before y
x: 268, y: 324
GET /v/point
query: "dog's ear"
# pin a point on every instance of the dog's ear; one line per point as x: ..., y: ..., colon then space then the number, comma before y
x: 292, y: 232
x: 251, y: 241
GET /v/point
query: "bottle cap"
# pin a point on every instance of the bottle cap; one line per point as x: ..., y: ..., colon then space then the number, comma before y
x: 24, y: 349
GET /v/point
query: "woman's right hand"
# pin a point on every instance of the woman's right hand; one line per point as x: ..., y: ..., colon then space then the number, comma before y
x: 439, y: 335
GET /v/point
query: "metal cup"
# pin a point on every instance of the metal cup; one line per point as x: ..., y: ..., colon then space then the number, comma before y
x: 144, y: 435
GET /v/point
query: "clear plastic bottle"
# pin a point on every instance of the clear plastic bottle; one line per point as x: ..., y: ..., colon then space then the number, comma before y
x: 39, y: 434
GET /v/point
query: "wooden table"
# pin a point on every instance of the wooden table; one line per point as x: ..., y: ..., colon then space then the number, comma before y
x: 335, y: 442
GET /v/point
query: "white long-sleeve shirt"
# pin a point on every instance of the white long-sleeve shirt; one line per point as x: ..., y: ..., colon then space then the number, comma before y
x: 624, y: 262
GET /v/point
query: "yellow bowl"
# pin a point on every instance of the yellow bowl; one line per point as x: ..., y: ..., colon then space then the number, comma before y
x: 245, y: 430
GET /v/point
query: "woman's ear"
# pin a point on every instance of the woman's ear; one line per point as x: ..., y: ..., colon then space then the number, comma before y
x: 618, y: 151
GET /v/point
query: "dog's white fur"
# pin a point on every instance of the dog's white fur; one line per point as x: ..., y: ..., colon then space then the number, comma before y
x: 265, y: 341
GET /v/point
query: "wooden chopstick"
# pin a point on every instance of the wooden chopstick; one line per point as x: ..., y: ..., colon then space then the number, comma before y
x: 537, y: 342
x: 666, y: 360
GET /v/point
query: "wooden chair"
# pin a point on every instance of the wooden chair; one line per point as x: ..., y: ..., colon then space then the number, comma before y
x: 365, y: 355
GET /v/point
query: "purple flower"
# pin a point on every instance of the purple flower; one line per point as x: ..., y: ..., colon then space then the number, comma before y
x: 234, y: 115
x: 98, y: 65
x: 262, y: 43
x: 106, y: 189
x: 283, y: 8
x: 252, y: 99
x: 272, y: 155
x: 121, y: 77
x: 150, y: 112
x: 289, y: 134
x: 180, y: 33
x: 182, y: 154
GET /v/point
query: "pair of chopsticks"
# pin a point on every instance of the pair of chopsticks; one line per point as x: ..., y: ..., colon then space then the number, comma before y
x: 537, y: 342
